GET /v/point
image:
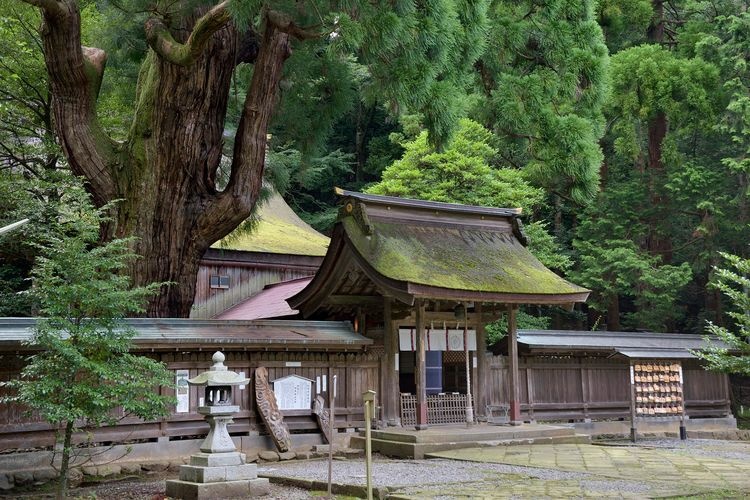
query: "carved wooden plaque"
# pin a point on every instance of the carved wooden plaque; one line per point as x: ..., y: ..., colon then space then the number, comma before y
x: 323, y: 415
x: 269, y: 411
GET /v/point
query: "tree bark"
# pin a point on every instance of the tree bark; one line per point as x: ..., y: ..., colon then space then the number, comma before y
x: 657, y: 242
x: 613, y: 314
x: 62, y: 482
x: 165, y: 172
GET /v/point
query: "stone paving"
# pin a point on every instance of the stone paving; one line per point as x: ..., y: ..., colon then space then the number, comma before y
x: 664, y: 471
x: 695, y: 468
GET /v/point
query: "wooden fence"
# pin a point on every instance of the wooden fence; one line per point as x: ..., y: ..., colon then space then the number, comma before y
x: 356, y: 373
x: 575, y: 388
x: 445, y: 408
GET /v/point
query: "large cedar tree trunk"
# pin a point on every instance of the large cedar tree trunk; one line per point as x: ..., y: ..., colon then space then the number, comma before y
x: 165, y: 172
x: 657, y: 242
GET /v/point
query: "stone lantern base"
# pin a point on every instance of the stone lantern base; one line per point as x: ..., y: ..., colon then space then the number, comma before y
x: 217, y: 476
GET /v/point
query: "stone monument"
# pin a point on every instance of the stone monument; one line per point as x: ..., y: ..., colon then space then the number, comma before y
x: 219, y: 470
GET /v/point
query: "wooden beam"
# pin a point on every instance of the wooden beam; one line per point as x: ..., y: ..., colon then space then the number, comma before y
x: 449, y: 317
x: 372, y: 300
x: 480, y: 383
x: 420, y: 369
x: 515, y: 400
x: 390, y: 390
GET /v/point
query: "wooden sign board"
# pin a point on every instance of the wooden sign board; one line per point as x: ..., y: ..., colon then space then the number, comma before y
x: 293, y: 392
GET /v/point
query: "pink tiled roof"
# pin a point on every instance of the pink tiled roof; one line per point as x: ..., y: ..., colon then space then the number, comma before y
x: 268, y: 303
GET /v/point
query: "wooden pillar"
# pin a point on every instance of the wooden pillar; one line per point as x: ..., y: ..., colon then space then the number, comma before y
x: 419, y: 368
x: 513, y: 389
x: 480, y: 381
x: 390, y: 393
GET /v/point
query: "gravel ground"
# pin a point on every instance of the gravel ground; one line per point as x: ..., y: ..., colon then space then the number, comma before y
x: 150, y: 487
x: 399, y: 474
x: 409, y: 476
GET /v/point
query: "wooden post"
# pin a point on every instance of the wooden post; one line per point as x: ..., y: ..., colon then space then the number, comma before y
x: 584, y: 390
x: 419, y: 369
x: 480, y: 383
x: 530, y: 388
x: 513, y: 389
x: 369, y: 399
x: 467, y: 361
x: 390, y: 377
x: 633, y: 425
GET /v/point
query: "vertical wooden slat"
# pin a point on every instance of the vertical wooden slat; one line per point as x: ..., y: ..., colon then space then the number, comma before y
x: 530, y: 390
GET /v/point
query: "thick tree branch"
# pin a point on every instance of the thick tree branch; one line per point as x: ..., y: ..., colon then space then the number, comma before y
x: 50, y: 7
x: 234, y: 204
x: 284, y: 23
x: 74, y: 78
x: 96, y: 61
x: 163, y: 43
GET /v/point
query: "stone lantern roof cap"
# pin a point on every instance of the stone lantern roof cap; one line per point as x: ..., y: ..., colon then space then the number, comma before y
x: 218, y: 374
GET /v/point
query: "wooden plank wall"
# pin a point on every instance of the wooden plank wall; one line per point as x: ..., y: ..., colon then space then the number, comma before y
x: 244, y: 282
x: 356, y: 373
x: 574, y: 388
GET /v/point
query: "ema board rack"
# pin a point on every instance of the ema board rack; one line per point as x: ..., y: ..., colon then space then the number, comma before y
x: 656, y: 393
x: 658, y: 389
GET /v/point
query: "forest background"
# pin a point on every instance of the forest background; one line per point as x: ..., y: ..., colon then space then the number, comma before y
x: 622, y: 128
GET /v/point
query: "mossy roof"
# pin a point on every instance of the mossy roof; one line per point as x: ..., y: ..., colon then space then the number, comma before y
x: 413, y: 249
x: 280, y: 231
x: 458, y: 258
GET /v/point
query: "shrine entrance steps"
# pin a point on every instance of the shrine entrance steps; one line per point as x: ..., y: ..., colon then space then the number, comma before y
x: 409, y: 443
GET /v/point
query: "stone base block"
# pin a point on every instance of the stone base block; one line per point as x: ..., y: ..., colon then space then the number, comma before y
x: 217, y: 459
x: 221, y: 490
x: 200, y: 474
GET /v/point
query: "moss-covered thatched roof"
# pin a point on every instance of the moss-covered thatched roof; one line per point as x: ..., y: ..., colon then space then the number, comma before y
x: 457, y: 258
x: 279, y: 230
x: 415, y: 249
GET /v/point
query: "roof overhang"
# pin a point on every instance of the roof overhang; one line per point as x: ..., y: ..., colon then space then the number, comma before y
x: 413, y: 249
x: 175, y: 334
x: 632, y: 345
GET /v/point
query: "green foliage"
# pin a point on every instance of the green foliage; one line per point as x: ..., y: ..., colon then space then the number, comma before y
x: 84, y: 370
x: 83, y: 374
x: 461, y: 173
x: 733, y: 282
x: 542, y: 83
x: 497, y: 330
x: 26, y: 137
x: 624, y: 22
x: 42, y: 199
x: 648, y: 80
x: 614, y: 267
x: 464, y: 173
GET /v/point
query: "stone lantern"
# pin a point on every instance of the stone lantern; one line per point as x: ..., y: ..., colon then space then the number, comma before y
x: 218, y: 406
x: 219, y: 470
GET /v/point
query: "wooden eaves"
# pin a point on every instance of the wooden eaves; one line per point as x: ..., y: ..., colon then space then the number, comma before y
x: 413, y: 249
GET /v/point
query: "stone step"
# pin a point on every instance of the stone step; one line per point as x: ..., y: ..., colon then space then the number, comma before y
x: 472, y: 434
x: 423, y: 450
